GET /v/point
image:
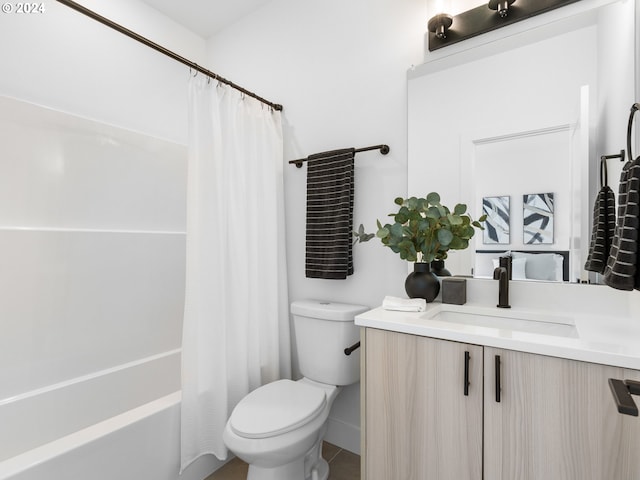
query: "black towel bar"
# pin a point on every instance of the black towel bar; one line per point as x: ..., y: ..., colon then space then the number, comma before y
x: 384, y: 149
x: 603, y: 166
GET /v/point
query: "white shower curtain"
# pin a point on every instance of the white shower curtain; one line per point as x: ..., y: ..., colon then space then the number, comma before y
x: 236, y: 322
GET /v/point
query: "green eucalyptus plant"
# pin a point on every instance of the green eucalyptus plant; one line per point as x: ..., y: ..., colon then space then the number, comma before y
x: 425, y: 230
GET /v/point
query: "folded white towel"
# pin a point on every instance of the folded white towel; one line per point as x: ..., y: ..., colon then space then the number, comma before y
x: 404, y: 304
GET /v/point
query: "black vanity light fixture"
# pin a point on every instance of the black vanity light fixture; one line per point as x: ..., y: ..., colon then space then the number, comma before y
x: 501, y: 6
x: 439, y: 24
x: 447, y: 30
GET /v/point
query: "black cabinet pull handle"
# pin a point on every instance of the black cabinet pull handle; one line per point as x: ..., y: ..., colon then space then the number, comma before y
x: 467, y: 357
x: 622, y: 395
x: 633, y: 387
x: 498, y: 383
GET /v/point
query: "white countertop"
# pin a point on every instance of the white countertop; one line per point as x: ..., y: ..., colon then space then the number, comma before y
x: 595, y: 338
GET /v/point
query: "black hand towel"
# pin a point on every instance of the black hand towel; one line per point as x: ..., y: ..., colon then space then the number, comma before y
x: 604, y: 223
x: 330, y: 214
x: 621, y: 271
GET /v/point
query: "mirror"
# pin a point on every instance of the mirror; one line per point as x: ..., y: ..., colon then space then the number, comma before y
x: 516, y: 122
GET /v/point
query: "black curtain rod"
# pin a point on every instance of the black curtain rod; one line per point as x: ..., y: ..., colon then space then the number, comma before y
x: 163, y: 50
x: 384, y: 149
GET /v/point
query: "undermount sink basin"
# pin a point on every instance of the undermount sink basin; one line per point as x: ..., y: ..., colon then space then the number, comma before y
x: 505, y: 319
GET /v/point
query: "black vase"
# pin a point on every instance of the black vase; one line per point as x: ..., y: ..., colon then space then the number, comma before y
x: 437, y: 267
x: 422, y: 283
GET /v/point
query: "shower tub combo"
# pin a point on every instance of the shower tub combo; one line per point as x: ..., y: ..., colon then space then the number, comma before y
x: 121, y: 423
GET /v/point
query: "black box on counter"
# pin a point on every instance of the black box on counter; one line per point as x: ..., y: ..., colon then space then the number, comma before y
x: 454, y: 290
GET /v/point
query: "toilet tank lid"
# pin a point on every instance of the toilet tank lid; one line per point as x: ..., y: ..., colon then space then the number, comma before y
x: 326, y: 310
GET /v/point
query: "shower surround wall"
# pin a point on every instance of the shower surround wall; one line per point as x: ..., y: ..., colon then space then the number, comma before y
x: 92, y: 247
x: 92, y: 220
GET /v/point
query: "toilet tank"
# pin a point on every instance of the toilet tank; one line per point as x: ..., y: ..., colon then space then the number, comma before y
x: 322, y: 331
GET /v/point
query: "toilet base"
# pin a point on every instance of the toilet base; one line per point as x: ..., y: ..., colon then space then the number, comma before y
x: 323, y: 470
x: 290, y: 471
x: 293, y: 470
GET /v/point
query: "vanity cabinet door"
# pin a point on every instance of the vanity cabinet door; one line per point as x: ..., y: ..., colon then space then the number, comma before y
x: 418, y: 422
x: 555, y: 419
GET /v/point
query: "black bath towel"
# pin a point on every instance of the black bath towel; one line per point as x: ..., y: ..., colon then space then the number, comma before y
x: 330, y: 214
x: 604, y: 223
x: 622, y: 270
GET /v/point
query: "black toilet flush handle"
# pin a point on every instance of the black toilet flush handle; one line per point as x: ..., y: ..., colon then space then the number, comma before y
x: 349, y: 350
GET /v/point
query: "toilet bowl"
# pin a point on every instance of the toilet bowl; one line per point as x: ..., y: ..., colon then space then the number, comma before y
x: 278, y: 428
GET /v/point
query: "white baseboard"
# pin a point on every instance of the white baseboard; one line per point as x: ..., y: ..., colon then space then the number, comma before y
x: 343, y: 435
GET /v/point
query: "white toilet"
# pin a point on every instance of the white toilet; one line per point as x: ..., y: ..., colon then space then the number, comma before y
x: 278, y: 428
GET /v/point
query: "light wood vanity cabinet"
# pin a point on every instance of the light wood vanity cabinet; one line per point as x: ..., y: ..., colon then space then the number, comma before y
x: 555, y: 418
x: 418, y: 422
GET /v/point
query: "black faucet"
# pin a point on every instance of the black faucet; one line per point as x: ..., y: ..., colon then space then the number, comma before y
x: 503, y: 275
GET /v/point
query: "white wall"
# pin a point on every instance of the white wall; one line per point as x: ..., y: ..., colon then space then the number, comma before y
x: 339, y: 69
x: 64, y: 60
x: 617, y: 79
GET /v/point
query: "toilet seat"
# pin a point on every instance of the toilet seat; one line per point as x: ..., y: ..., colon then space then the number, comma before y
x: 277, y: 408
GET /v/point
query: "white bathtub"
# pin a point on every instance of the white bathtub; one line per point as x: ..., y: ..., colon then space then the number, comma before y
x: 122, y: 423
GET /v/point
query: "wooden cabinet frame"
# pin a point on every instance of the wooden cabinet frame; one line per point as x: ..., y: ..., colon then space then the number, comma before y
x: 555, y: 418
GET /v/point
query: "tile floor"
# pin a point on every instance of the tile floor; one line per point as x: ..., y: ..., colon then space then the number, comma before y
x: 343, y: 465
